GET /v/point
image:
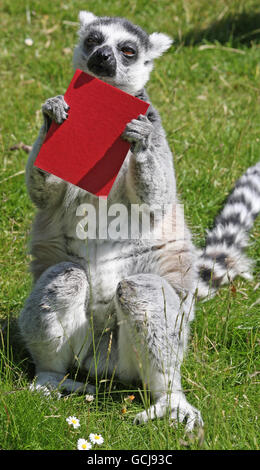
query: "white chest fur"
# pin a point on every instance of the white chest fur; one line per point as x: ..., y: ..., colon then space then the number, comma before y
x: 108, y: 262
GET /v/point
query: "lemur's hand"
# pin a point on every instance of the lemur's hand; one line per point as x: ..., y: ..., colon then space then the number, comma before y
x: 55, y: 109
x: 138, y: 132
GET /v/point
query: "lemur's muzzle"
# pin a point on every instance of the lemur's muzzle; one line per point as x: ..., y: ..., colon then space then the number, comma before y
x: 102, y: 62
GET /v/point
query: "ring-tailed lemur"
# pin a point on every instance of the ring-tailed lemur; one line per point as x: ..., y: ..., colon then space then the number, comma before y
x: 124, y: 306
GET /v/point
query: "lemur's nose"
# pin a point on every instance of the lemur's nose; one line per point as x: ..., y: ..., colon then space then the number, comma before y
x: 103, y: 62
x: 104, y: 54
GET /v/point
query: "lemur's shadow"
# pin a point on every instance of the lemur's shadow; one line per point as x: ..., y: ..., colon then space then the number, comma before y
x: 235, y: 29
x: 14, y: 355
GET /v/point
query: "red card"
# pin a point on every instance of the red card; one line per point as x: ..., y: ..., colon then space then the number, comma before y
x: 87, y: 149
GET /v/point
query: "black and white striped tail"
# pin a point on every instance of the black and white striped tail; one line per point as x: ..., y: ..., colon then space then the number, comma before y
x: 223, y: 257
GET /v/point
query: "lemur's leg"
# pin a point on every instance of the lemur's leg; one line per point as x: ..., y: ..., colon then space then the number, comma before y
x: 46, y: 189
x: 150, y: 177
x: 54, y: 325
x: 152, y: 338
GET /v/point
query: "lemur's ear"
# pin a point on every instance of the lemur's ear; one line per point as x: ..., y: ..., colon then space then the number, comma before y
x: 159, y: 43
x: 85, y: 18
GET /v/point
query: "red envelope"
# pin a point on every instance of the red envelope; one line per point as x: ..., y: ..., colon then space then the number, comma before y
x: 87, y: 149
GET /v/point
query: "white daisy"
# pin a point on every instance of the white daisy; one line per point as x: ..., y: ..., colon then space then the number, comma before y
x: 89, y: 398
x: 28, y: 41
x: 96, y: 439
x: 73, y: 421
x: 83, y: 444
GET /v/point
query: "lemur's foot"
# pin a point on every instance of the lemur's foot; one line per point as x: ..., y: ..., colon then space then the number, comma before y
x: 55, y: 109
x: 55, y: 384
x: 138, y: 132
x: 179, y: 412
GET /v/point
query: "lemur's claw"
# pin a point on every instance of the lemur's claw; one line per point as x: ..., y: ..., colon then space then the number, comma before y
x: 138, y: 132
x: 56, y: 109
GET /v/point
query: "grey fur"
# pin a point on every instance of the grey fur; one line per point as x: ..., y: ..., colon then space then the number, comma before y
x: 137, y: 295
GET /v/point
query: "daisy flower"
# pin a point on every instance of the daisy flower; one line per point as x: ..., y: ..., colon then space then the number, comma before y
x: 96, y: 439
x: 28, y: 41
x: 73, y: 421
x: 83, y: 444
x: 89, y: 398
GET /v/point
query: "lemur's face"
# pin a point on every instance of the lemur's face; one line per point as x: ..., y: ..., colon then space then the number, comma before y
x: 117, y: 52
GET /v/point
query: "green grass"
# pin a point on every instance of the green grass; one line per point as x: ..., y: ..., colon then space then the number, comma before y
x: 207, y: 91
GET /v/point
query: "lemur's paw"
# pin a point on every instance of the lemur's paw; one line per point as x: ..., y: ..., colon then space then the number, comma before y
x: 138, y: 132
x: 44, y: 390
x: 188, y: 414
x: 57, y: 384
x: 183, y: 412
x: 56, y: 109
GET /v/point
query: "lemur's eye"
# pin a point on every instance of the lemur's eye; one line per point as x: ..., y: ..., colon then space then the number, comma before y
x: 91, y: 40
x: 128, y: 51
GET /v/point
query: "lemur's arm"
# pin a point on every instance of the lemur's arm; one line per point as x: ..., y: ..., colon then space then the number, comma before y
x: 44, y: 188
x: 150, y: 178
